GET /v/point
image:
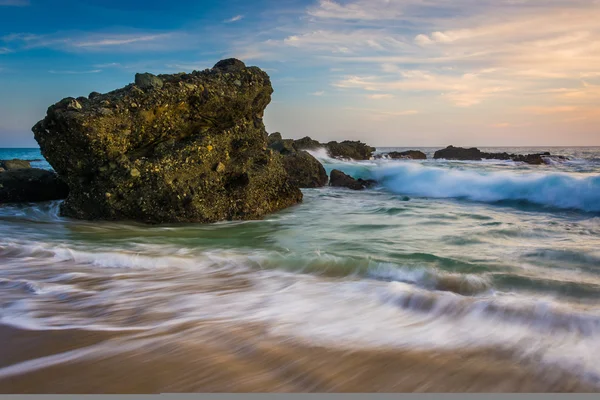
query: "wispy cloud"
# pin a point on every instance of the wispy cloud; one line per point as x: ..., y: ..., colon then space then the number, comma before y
x: 117, y: 40
x: 14, y: 3
x: 319, y: 93
x: 234, y: 19
x: 380, y: 96
x: 5, y: 50
x: 72, y: 72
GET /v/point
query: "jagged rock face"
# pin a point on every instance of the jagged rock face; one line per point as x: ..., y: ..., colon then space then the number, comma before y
x: 31, y: 185
x: 192, y: 149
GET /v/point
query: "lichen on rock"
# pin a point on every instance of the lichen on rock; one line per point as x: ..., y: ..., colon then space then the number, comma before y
x: 191, y: 149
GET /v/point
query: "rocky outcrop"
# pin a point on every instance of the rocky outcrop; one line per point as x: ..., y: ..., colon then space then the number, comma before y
x: 170, y: 148
x: 404, y: 155
x: 31, y: 185
x: 458, y: 153
x: 306, y: 143
x: 304, y: 170
x: 8, y: 165
x: 353, y: 150
x: 339, y: 179
x: 474, y: 154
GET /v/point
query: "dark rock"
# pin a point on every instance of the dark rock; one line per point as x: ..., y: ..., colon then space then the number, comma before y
x: 31, y: 185
x: 93, y: 95
x: 458, y: 153
x: 339, y: 179
x: 14, y: 164
x: 284, y: 146
x: 195, y: 150
x: 306, y: 143
x: 230, y: 65
x: 304, y: 170
x: 274, y: 137
x: 148, y: 81
x: 404, y: 155
x: 354, y: 150
x: 534, y: 159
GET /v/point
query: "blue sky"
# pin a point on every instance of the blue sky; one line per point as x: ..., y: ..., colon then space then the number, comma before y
x: 388, y: 72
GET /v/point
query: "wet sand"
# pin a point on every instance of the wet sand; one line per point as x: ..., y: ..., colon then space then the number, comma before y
x: 221, y: 358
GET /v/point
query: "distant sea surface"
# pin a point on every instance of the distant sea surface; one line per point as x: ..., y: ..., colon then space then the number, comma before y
x: 448, y: 276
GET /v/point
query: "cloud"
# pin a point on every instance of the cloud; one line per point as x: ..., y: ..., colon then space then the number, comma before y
x: 72, y: 72
x: 117, y: 40
x: 380, y: 96
x: 319, y: 93
x: 234, y: 19
x: 14, y: 3
x: 77, y: 41
x: 5, y: 50
x: 544, y: 110
x: 357, y: 10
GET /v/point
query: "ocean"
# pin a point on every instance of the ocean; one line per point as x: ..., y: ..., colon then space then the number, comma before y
x: 447, y: 276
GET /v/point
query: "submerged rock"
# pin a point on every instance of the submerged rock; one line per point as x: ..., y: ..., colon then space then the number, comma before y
x: 191, y: 149
x: 8, y: 165
x: 339, y: 179
x: 31, y: 185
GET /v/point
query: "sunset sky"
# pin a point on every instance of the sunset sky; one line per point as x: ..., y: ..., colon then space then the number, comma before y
x: 388, y: 72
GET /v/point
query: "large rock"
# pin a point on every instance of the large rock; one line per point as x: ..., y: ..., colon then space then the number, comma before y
x: 191, y: 149
x: 339, y: 179
x: 14, y: 164
x: 31, y: 185
x: 304, y: 170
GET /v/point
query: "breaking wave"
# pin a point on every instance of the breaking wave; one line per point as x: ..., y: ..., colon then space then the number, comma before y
x: 557, y: 190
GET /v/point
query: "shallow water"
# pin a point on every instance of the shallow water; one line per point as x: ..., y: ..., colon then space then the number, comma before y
x: 443, y: 256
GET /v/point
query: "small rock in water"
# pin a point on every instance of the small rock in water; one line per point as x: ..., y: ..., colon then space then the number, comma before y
x: 405, y: 198
x: 14, y: 164
x: 339, y: 179
x: 31, y: 185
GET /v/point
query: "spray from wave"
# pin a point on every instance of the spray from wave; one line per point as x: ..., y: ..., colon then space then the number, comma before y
x: 552, y: 190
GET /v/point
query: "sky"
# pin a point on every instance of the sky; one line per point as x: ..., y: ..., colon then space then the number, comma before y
x: 388, y: 72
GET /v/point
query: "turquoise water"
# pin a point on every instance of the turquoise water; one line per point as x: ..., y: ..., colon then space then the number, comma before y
x: 442, y: 254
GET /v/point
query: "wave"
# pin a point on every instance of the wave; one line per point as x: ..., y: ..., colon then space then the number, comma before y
x: 557, y: 190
